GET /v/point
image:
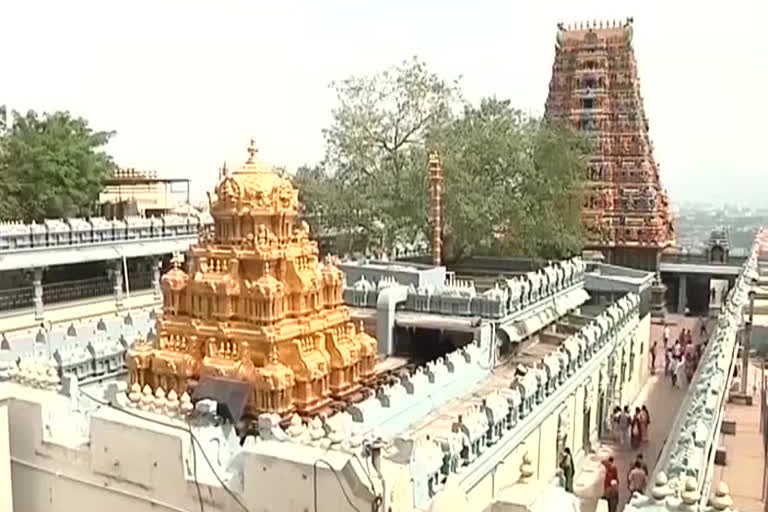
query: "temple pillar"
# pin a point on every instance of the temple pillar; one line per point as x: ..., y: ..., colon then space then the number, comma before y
x: 157, y: 263
x: 682, y: 294
x: 37, y: 300
x: 658, y: 295
x: 117, y: 276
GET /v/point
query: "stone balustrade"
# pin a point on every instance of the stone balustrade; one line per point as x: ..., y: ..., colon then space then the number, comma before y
x: 683, y: 474
x: 80, y: 231
x: 462, y: 299
x: 85, y: 349
x: 494, y: 420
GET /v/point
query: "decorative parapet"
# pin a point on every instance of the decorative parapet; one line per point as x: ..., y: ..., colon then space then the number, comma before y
x: 460, y: 298
x: 77, y: 231
x: 86, y: 350
x: 501, y: 418
x: 684, y: 471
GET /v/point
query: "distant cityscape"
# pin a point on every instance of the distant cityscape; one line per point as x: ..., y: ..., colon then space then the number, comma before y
x: 696, y: 220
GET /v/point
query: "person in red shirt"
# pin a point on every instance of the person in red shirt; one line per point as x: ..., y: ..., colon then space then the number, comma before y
x: 611, y: 484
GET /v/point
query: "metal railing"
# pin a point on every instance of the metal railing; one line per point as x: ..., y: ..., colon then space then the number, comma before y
x: 16, y: 298
x: 75, y: 290
x: 701, y: 259
x: 67, y: 291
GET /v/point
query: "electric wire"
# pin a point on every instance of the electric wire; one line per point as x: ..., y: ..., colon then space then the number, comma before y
x: 177, y: 427
x: 338, y: 478
x: 194, y: 468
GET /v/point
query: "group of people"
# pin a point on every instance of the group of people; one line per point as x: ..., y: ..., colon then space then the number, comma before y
x: 631, y: 429
x: 682, y: 358
x: 637, y: 480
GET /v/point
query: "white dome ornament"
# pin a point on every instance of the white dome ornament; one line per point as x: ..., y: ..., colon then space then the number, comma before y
x: 146, y: 399
x: 160, y: 402
x: 135, y: 395
x: 186, y: 404
x: 172, y: 404
x: 722, y: 499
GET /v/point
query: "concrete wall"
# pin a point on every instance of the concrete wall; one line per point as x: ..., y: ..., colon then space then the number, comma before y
x: 64, y: 462
x: 6, y: 494
x: 541, y: 444
x: 541, y: 447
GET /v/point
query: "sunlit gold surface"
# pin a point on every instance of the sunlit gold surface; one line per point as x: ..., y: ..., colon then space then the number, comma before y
x: 257, y: 305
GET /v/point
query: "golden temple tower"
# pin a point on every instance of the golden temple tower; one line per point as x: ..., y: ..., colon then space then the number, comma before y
x: 256, y: 305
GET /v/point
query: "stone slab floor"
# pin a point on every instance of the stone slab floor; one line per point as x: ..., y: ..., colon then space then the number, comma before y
x: 663, y: 402
x: 745, y: 464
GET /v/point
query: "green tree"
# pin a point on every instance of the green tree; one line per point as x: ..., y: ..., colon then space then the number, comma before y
x: 376, y: 151
x: 511, y: 184
x: 51, y: 165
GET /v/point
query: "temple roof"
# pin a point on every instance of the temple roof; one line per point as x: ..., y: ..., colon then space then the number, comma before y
x: 255, y: 185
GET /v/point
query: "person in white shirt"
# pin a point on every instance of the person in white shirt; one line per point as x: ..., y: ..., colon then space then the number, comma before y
x: 680, y: 372
x: 666, y: 335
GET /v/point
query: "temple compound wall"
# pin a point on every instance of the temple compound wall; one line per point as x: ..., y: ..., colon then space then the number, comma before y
x: 452, y: 428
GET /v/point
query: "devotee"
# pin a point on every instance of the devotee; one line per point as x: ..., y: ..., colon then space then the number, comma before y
x: 566, y: 464
x: 635, y: 433
x: 644, y: 431
x: 653, y: 358
x: 666, y: 335
x: 625, y: 426
x: 643, y: 465
x: 617, y: 425
x: 611, y: 484
x: 680, y: 372
x: 637, y: 479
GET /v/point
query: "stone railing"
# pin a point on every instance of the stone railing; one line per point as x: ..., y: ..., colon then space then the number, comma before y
x: 81, y: 231
x: 488, y: 430
x: 86, y: 350
x: 78, y: 289
x: 682, y: 477
x: 461, y: 298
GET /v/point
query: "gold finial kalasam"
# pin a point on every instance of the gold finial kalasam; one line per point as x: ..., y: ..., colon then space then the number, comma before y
x: 252, y: 150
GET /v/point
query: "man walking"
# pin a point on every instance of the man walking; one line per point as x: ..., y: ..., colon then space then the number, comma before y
x: 653, y: 358
x: 666, y: 335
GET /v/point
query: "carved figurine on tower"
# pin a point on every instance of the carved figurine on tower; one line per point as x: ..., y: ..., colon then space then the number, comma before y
x: 595, y: 87
x: 256, y: 305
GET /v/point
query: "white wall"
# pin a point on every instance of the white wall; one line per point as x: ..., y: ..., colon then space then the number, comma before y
x: 6, y: 494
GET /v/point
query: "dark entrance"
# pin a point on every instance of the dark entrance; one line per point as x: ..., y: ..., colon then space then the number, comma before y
x: 585, y: 432
x: 420, y: 345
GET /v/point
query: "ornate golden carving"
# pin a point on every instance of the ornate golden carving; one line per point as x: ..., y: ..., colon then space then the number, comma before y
x: 257, y: 305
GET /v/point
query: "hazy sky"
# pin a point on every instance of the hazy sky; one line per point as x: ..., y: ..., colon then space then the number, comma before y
x: 186, y: 83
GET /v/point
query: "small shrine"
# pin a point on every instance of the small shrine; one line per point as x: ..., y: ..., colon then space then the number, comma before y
x: 256, y: 305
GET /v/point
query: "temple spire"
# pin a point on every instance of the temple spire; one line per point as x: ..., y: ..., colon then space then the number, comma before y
x: 252, y: 151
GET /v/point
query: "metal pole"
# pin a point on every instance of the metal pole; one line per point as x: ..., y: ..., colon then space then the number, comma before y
x: 747, y: 346
x: 127, y: 285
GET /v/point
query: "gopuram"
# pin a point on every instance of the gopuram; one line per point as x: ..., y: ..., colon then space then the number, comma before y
x: 595, y: 87
x: 256, y: 305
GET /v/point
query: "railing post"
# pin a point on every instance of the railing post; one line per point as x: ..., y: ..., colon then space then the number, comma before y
x: 682, y: 294
x: 157, y: 262
x: 117, y: 276
x: 37, y: 300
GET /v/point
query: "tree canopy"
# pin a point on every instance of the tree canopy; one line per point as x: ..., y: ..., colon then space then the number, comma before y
x: 51, y: 165
x: 512, y: 182
x: 376, y: 149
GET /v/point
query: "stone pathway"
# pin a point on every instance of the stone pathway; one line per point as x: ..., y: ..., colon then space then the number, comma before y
x: 663, y: 402
x: 745, y: 464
